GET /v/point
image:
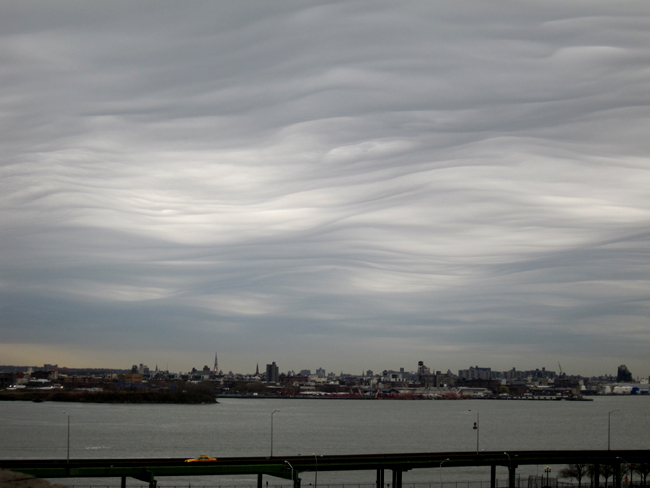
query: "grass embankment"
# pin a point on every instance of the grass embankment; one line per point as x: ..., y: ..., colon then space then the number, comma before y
x: 11, y: 479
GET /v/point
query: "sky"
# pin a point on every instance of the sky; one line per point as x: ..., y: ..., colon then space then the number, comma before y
x: 342, y: 185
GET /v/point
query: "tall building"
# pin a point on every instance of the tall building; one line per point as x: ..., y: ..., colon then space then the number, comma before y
x: 475, y: 373
x: 624, y: 375
x: 272, y: 373
x: 422, y: 370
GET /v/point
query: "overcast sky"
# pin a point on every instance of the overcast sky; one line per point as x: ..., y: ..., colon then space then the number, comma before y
x: 347, y: 185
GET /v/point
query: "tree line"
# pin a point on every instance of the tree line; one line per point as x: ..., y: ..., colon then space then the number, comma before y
x: 581, y: 472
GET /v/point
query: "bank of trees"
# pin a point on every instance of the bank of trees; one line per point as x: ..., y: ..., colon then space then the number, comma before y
x: 577, y: 472
x: 583, y: 473
x: 191, y: 393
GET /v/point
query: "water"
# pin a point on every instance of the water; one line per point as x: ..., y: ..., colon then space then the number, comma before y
x: 242, y: 427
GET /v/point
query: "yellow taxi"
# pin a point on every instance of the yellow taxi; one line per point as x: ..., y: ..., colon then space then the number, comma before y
x: 201, y: 459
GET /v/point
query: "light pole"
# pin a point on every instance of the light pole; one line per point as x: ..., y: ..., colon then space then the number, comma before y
x: 64, y: 412
x: 441, y: 470
x: 273, y: 412
x: 476, y: 428
x: 609, y: 425
x: 291, y: 470
x: 511, y: 473
x: 547, y: 470
x: 316, y: 471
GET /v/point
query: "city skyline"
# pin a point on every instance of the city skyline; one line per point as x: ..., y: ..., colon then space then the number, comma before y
x: 469, y: 372
x: 344, y: 185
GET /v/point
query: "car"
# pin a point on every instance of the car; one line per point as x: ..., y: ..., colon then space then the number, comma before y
x: 201, y: 459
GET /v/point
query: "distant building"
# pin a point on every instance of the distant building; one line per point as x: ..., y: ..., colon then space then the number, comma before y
x: 475, y: 373
x: 422, y: 371
x: 445, y: 379
x: 272, y: 373
x: 133, y: 378
x: 40, y: 375
x: 7, y: 379
x: 204, y: 374
x: 624, y: 375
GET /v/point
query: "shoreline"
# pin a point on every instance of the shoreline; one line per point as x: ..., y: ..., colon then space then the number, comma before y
x: 120, y: 396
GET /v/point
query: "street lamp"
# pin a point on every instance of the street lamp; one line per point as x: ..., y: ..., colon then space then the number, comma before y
x: 547, y: 470
x: 316, y: 471
x: 441, y: 470
x: 291, y: 470
x: 273, y: 412
x: 64, y: 412
x: 511, y: 473
x: 476, y: 428
x: 609, y: 424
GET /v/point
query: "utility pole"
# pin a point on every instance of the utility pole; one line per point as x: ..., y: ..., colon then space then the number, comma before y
x: 272, y: 413
x: 66, y: 413
x: 609, y: 425
x: 476, y: 428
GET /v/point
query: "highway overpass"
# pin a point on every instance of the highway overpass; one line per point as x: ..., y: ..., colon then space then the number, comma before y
x: 290, y: 467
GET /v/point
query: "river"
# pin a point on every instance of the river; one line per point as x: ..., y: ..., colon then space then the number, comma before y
x: 242, y: 427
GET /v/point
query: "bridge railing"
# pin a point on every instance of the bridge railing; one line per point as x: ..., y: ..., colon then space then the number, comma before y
x: 445, y: 484
x: 500, y: 483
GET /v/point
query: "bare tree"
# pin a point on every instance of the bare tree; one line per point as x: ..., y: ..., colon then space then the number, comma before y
x: 575, y: 471
x: 605, y: 471
x: 643, y: 469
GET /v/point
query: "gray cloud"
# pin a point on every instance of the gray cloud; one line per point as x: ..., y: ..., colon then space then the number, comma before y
x: 340, y: 185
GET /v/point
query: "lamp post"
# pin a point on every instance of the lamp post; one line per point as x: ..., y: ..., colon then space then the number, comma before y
x: 476, y: 428
x: 441, y: 470
x: 65, y: 413
x: 547, y: 470
x: 273, y: 412
x: 609, y: 425
x: 316, y: 471
x: 287, y: 462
